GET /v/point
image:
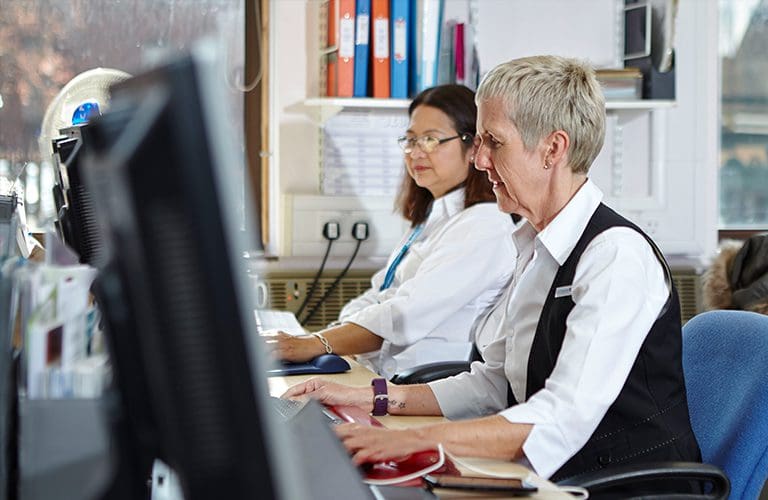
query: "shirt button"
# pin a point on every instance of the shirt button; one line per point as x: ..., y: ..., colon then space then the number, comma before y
x: 389, y: 368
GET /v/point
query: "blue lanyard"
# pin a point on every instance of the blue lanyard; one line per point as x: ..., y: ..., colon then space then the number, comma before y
x: 390, y: 276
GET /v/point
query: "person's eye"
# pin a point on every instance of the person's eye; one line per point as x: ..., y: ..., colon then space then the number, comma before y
x: 494, y: 143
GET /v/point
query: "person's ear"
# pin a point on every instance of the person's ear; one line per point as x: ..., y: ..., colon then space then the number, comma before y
x: 557, y: 144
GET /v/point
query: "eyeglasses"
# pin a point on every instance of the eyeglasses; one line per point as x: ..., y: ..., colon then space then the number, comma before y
x: 426, y: 143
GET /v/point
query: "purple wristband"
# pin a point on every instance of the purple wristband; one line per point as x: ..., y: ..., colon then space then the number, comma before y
x: 380, y: 398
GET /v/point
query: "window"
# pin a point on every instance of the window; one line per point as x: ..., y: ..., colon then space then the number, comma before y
x: 45, y: 43
x: 744, y: 132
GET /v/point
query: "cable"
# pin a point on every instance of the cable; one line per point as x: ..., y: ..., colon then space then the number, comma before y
x: 360, y: 236
x: 316, y: 279
x: 333, y: 285
x: 248, y: 87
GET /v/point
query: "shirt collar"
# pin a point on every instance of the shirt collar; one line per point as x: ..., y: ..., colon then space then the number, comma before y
x: 561, y: 235
x: 447, y: 205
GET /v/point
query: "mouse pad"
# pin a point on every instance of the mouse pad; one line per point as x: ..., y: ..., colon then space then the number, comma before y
x: 339, y: 365
x: 409, y: 471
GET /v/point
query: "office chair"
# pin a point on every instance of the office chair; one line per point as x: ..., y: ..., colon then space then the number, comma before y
x: 428, y: 372
x: 725, y: 355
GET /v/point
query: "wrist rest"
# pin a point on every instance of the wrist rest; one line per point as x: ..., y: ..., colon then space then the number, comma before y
x: 325, y: 363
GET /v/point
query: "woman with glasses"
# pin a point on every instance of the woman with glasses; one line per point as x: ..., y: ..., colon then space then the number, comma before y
x: 449, y: 267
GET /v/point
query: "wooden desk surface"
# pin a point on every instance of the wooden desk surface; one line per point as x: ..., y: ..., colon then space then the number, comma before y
x: 361, y: 376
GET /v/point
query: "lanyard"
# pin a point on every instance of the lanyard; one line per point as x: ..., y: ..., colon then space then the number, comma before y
x: 390, y: 276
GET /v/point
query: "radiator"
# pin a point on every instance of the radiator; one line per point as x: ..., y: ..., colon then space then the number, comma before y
x: 286, y: 294
x: 688, y: 284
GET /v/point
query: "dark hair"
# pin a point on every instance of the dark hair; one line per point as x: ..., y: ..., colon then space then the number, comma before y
x: 458, y: 102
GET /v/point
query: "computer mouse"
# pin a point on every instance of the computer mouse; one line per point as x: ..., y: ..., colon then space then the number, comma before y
x: 330, y: 363
x: 325, y: 363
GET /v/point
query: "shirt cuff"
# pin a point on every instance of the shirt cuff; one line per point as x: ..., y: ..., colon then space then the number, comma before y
x: 452, y: 407
x: 545, y: 447
x: 375, y: 319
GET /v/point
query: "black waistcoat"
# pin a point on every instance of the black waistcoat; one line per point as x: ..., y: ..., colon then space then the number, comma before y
x: 649, y: 419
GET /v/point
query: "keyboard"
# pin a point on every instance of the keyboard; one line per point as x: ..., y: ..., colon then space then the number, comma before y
x: 272, y: 319
x: 288, y: 408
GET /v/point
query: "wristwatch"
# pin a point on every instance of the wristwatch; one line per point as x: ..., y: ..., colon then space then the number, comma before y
x: 380, y: 398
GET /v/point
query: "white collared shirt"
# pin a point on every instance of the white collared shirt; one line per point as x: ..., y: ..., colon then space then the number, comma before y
x: 619, y: 290
x: 452, y: 274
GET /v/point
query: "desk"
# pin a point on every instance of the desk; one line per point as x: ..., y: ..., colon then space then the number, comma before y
x: 361, y: 376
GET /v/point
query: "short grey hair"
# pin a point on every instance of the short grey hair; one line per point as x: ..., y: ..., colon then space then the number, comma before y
x: 547, y: 93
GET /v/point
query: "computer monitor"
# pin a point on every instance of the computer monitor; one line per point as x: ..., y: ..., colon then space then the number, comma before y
x: 75, y: 211
x: 175, y: 294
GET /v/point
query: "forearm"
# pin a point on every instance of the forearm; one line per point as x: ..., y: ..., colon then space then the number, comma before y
x: 488, y: 437
x: 349, y: 338
x: 344, y: 339
x: 412, y: 400
x: 402, y: 399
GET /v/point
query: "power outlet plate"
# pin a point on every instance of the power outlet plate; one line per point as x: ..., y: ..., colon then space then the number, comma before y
x: 310, y: 213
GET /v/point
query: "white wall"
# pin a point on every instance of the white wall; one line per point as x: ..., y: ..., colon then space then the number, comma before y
x: 680, y: 143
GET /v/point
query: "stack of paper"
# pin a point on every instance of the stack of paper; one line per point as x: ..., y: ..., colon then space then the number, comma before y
x: 621, y: 84
x: 360, y: 153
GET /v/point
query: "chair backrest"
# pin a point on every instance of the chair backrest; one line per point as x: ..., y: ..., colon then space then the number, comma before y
x: 725, y: 360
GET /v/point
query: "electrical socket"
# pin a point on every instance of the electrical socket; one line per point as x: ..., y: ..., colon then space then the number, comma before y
x: 360, y: 231
x: 311, y: 213
x: 331, y: 230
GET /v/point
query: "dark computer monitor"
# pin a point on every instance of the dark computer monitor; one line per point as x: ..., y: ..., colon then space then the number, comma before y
x: 179, y: 318
x: 75, y: 210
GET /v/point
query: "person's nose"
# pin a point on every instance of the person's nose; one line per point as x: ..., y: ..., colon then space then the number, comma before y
x: 482, y: 158
x: 417, y: 152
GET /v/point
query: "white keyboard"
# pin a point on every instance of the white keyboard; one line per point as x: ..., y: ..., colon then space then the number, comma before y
x: 272, y: 319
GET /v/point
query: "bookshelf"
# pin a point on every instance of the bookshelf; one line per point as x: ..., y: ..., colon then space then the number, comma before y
x: 369, y: 102
x: 639, y: 104
x: 659, y: 158
x: 357, y: 102
x: 330, y: 106
x: 327, y: 107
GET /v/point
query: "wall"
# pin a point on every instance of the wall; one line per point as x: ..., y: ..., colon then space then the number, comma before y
x: 669, y: 155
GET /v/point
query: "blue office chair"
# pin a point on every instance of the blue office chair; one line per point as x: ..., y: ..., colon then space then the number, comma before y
x: 725, y: 361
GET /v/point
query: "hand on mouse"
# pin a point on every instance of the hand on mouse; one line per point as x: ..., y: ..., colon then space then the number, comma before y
x: 292, y: 348
x: 373, y: 444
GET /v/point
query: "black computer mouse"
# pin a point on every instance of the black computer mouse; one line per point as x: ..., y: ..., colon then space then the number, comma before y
x: 330, y: 363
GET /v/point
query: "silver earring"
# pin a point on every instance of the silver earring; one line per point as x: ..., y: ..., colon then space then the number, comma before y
x: 546, y: 166
x: 472, y: 158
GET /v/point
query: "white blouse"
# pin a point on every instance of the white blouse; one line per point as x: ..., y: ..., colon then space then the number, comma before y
x: 619, y: 290
x: 452, y: 274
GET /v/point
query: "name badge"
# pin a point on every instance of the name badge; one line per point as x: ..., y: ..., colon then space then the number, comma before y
x: 563, y: 291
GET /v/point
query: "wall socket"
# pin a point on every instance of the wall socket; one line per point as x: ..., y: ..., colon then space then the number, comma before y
x: 311, y: 212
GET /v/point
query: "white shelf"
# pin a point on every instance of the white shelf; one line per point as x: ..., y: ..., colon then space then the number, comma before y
x: 358, y: 102
x: 640, y: 104
x: 339, y: 103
